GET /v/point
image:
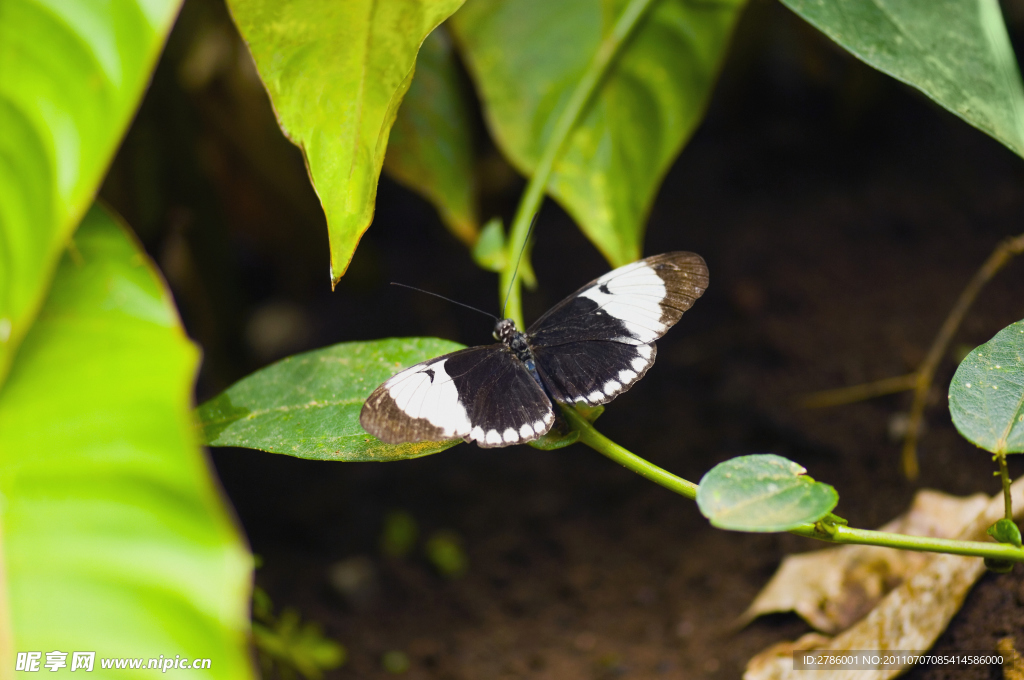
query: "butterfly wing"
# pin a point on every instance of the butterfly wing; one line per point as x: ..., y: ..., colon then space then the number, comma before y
x: 481, y: 394
x: 597, y: 342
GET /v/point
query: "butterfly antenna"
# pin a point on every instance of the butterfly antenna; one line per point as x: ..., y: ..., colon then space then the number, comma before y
x: 454, y: 302
x: 518, y: 260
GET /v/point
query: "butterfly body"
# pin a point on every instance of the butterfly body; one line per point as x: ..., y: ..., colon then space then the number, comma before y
x: 589, y: 348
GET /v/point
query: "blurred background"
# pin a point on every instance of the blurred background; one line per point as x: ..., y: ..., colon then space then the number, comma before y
x: 840, y: 214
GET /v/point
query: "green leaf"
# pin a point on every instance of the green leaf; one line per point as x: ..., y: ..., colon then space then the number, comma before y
x: 431, y: 145
x: 398, y: 538
x: 957, y: 52
x: 395, y: 662
x: 986, y: 396
x: 336, y: 73
x: 116, y: 539
x: 294, y: 645
x: 308, y: 405
x: 526, y: 56
x: 489, y: 251
x: 1005, y: 531
x: 444, y: 550
x: 71, y: 75
x: 763, y: 492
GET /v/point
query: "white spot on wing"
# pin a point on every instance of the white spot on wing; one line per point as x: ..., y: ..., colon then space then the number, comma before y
x: 493, y: 437
x: 611, y: 387
x: 594, y: 397
x: 634, y: 297
x: 639, y: 363
x: 538, y: 427
x: 526, y: 431
x: 436, y: 401
x: 510, y: 435
x: 626, y: 376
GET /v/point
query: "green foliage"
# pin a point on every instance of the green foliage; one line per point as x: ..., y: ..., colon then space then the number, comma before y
x: 399, y: 535
x: 763, y: 492
x: 431, y: 144
x: 336, y: 73
x: 445, y: 552
x: 1005, y: 531
x: 561, y: 435
x: 308, y: 405
x: 527, y: 56
x: 285, y: 643
x: 957, y: 52
x: 986, y: 396
x: 71, y: 75
x: 395, y: 661
x: 489, y: 251
x: 115, y: 538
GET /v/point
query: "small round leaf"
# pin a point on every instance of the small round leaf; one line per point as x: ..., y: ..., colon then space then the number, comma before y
x: 986, y: 397
x: 763, y: 492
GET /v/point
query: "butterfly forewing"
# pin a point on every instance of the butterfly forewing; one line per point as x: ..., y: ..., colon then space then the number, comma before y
x: 597, y: 342
x: 589, y: 348
x: 482, y: 394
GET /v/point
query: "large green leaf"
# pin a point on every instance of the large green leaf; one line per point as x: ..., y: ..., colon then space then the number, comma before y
x: 986, y: 396
x: 336, y: 73
x: 431, y: 145
x: 308, y: 405
x: 71, y: 75
x: 955, y: 51
x: 763, y: 492
x: 526, y: 57
x: 115, y: 538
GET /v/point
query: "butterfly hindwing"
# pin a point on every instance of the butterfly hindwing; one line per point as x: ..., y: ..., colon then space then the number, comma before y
x: 482, y: 394
x: 593, y: 372
x: 596, y: 343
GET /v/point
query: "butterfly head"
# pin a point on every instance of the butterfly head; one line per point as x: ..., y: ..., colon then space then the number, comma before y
x: 505, y: 331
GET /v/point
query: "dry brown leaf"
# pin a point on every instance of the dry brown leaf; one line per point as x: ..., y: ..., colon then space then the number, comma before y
x: 1013, y: 664
x: 910, y: 617
x: 833, y: 588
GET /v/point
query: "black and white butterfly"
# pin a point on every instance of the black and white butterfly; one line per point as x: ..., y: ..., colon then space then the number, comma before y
x: 589, y: 348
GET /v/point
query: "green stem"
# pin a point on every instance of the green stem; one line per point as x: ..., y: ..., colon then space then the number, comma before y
x: 627, y: 459
x: 534, y: 194
x: 836, y: 533
x: 849, y: 535
x: 1005, y: 474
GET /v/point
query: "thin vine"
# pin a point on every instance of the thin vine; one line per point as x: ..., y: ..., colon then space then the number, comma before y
x: 596, y: 71
x: 828, y: 530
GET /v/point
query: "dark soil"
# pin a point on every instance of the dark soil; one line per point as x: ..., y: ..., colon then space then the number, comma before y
x: 840, y: 214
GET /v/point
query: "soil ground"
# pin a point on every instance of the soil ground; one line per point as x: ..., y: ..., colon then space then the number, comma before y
x: 840, y: 215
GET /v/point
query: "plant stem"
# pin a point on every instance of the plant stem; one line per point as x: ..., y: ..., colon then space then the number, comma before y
x: 1003, y: 253
x: 920, y: 381
x: 851, y: 395
x: 849, y: 535
x: 836, y: 533
x: 1005, y: 474
x: 534, y: 194
x: 628, y: 459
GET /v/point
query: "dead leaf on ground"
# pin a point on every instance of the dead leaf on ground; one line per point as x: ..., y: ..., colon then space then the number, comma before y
x: 833, y: 588
x: 910, y: 617
x: 1013, y: 664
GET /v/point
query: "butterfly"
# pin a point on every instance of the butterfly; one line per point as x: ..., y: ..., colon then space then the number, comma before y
x: 589, y: 348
